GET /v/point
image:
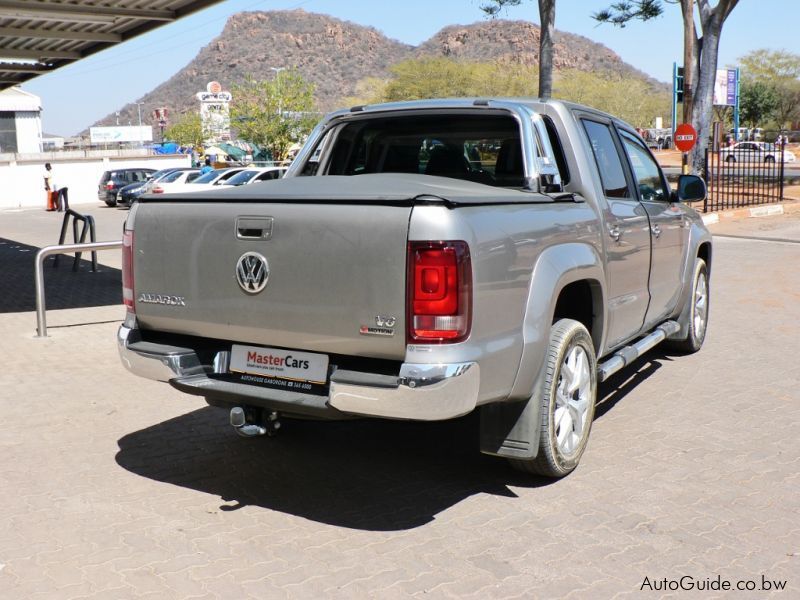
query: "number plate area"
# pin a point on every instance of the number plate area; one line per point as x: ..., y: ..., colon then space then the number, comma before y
x: 289, y: 370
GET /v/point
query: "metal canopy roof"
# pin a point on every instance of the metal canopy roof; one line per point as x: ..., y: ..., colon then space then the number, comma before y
x: 39, y: 36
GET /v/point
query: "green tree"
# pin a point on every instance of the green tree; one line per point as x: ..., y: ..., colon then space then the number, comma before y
x: 779, y: 71
x: 631, y: 99
x: 187, y: 130
x: 701, y: 54
x: 442, y: 77
x: 758, y: 101
x: 274, y: 113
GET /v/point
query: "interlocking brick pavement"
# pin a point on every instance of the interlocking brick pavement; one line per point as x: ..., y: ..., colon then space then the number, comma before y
x: 116, y: 487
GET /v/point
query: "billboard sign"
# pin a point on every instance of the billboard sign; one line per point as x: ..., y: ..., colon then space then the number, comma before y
x: 105, y: 135
x: 725, y: 87
x: 215, y: 113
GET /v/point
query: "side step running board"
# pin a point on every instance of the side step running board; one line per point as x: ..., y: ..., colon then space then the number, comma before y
x: 625, y: 356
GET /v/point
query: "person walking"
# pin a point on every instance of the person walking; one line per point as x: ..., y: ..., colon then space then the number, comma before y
x: 50, y: 188
x: 206, y: 167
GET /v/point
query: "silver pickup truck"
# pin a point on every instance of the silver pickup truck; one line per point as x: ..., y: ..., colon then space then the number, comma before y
x: 421, y: 260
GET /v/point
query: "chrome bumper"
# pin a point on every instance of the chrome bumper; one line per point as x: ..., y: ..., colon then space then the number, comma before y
x: 422, y: 392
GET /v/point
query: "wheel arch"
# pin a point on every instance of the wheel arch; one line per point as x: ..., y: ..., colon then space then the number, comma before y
x: 563, y: 277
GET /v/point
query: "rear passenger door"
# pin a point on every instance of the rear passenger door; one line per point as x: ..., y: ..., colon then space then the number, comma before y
x: 626, y: 235
x: 668, y: 228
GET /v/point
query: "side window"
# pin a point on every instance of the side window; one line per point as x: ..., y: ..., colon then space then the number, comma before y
x: 645, y: 170
x: 192, y: 176
x: 608, y: 160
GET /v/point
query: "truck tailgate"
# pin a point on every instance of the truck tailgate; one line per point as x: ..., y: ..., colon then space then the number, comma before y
x: 333, y: 270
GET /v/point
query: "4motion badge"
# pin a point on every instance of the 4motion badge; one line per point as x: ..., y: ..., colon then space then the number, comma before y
x: 383, y: 326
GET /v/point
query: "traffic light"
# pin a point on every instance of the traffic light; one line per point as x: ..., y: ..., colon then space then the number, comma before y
x: 679, y: 86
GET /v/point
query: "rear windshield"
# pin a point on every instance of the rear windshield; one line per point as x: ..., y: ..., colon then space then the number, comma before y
x: 242, y: 177
x: 170, y: 177
x: 481, y: 148
x: 207, y: 177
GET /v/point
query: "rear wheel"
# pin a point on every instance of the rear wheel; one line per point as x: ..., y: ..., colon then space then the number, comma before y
x: 698, y: 314
x: 730, y: 159
x: 769, y: 159
x: 111, y: 202
x: 569, y: 392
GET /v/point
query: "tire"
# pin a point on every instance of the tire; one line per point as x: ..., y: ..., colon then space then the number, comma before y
x: 561, y: 443
x: 769, y: 160
x: 111, y: 202
x: 698, y: 315
x: 730, y: 159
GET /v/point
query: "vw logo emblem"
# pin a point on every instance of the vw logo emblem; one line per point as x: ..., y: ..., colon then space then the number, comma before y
x: 252, y: 272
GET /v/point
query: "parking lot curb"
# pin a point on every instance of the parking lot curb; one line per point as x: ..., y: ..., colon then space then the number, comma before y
x: 772, y: 210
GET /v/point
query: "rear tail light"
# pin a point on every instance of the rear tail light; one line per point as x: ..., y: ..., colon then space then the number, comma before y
x: 110, y: 185
x: 439, y: 292
x: 127, y: 270
x: 158, y: 190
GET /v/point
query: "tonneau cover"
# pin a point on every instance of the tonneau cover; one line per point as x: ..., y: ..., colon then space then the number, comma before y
x: 389, y: 188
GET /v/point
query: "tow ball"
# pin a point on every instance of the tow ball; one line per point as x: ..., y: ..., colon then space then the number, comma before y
x: 253, y: 422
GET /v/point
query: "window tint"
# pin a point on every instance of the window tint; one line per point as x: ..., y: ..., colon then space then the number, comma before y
x: 242, y: 177
x: 267, y: 175
x: 170, y: 177
x: 192, y: 176
x: 207, y: 177
x: 645, y: 170
x: 481, y: 148
x: 607, y: 159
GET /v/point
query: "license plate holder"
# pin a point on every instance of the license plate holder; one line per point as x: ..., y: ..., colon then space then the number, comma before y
x: 277, y: 368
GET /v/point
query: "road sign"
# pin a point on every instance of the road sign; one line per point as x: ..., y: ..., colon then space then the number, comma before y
x: 685, y: 137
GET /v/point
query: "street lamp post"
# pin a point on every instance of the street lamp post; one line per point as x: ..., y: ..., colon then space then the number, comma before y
x: 139, y: 109
x: 277, y: 78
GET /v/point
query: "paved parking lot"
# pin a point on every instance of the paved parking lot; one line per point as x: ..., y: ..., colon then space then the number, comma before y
x: 116, y: 487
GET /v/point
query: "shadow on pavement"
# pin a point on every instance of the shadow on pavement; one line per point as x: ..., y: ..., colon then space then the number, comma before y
x: 375, y: 475
x: 63, y: 287
x: 368, y: 474
x: 623, y: 382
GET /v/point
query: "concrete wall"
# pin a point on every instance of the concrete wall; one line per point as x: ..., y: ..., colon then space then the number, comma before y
x: 22, y: 178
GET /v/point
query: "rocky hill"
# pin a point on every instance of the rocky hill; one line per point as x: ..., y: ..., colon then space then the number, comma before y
x: 336, y: 54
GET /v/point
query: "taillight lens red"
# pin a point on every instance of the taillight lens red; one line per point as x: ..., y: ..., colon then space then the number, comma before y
x: 158, y: 190
x: 127, y: 271
x: 110, y: 185
x: 439, y: 292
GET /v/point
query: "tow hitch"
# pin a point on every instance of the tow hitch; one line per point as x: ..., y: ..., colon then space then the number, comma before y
x: 251, y: 422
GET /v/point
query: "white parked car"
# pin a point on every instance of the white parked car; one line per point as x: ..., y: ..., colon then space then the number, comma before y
x: 254, y: 174
x: 207, y: 181
x: 751, y: 152
x: 174, y: 182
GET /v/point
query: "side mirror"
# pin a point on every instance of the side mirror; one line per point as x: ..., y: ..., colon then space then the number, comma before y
x: 691, y: 188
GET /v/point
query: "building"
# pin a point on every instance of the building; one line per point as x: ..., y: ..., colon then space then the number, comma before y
x: 20, y: 122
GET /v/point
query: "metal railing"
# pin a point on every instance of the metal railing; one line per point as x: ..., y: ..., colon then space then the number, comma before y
x: 88, y: 224
x: 739, y: 177
x: 41, y: 319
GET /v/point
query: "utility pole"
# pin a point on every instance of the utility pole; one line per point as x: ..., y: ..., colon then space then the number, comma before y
x: 687, y: 8
x: 139, y: 108
x: 278, y: 81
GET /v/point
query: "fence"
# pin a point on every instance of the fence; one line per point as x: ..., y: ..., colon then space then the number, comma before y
x: 747, y: 174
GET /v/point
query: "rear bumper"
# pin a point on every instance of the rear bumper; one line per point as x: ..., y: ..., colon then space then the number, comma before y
x: 424, y: 392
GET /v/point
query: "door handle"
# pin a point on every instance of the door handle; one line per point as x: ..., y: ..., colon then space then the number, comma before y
x: 254, y: 228
x: 656, y: 229
x: 614, y: 232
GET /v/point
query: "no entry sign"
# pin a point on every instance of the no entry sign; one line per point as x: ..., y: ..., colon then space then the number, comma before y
x: 685, y: 137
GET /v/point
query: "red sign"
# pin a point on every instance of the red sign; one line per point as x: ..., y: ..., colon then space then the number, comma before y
x: 685, y: 137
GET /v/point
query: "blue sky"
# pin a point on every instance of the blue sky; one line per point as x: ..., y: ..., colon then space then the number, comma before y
x: 76, y: 96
